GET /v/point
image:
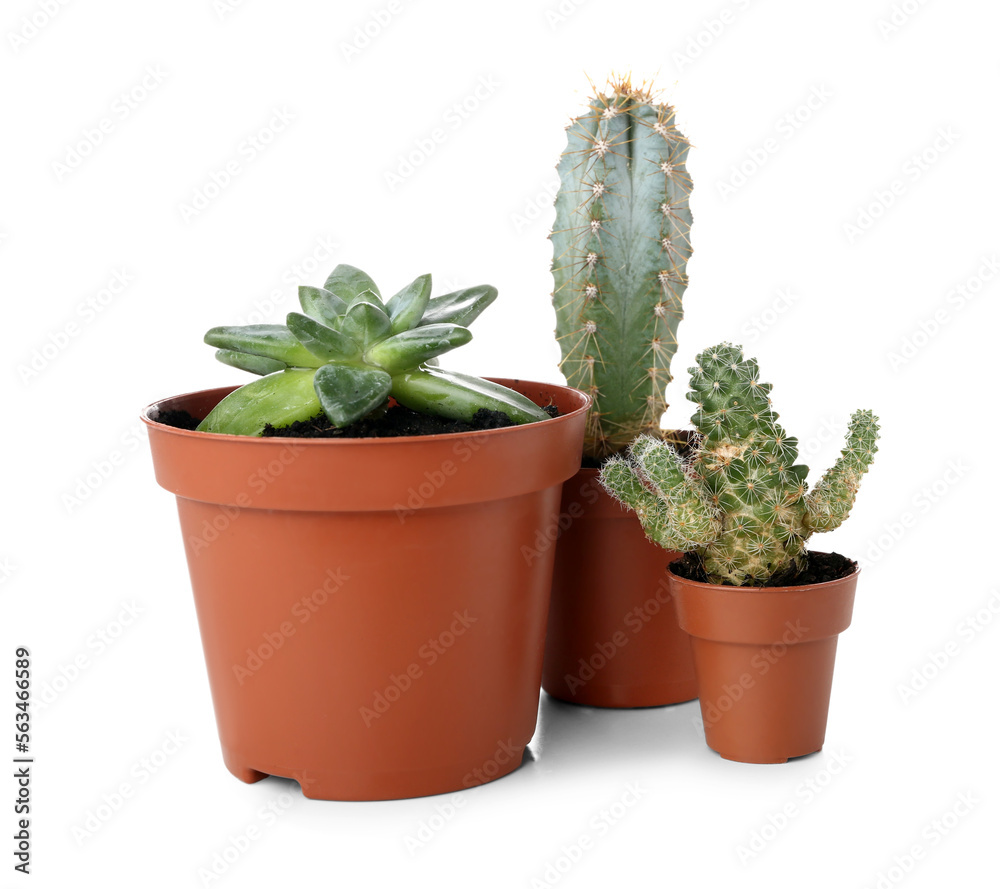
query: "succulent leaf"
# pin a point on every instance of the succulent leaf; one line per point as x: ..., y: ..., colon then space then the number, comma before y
x: 461, y: 307
x: 407, y: 307
x: 324, y: 342
x: 413, y: 347
x: 347, y: 392
x: 365, y: 324
x: 347, y: 282
x: 367, y: 296
x: 267, y: 340
x: 740, y: 501
x: 829, y: 503
x: 458, y: 396
x: 322, y: 305
x: 279, y: 399
x: 256, y: 364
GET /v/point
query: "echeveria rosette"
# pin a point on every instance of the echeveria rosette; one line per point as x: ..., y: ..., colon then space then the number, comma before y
x: 740, y: 501
x: 348, y: 351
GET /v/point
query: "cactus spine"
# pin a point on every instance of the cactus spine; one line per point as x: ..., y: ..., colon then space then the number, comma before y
x: 740, y: 501
x: 621, y: 243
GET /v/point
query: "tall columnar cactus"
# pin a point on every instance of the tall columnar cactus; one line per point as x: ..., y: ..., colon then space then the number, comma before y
x: 621, y: 243
x: 740, y: 500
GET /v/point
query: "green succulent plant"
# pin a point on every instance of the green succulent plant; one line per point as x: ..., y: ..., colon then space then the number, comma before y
x: 348, y: 351
x: 621, y: 244
x: 740, y: 500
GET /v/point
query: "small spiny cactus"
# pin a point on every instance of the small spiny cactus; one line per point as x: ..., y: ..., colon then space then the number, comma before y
x: 621, y: 243
x: 740, y: 501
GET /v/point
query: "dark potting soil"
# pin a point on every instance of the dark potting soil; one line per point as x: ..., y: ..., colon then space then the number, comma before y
x: 820, y: 568
x: 685, y: 441
x: 177, y: 419
x: 392, y: 422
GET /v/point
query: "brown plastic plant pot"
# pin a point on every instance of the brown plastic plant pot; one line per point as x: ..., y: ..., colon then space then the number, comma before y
x: 764, y: 659
x: 613, y: 639
x: 370, y: 624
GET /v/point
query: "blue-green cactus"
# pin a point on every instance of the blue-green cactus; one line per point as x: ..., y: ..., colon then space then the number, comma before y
x: 621, y: 244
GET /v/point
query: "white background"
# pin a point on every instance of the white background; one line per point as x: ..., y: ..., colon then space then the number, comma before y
x: 77, y: 547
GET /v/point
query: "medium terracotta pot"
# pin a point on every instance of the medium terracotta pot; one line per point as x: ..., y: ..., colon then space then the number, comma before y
x: 613, y: 638
x: 764, y: 659
x: 370, y: 625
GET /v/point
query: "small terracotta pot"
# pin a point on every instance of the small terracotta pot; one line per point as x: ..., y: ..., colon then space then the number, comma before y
x: 613, y: 638
x: 764, y: 659
x: 370, y: 623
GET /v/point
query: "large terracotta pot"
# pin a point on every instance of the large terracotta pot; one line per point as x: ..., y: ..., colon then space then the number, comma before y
x: 764, y: 659
x: 370, y: 624
x: 613, y: 639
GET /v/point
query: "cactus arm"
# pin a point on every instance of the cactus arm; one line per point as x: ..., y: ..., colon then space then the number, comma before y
x: 694, y: 521
x: 830, y: 501
x: 621, y: 481
x: 681, y: 522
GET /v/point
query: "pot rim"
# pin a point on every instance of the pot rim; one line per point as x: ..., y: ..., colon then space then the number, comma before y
x: 368, y: 474
x: 727, y: 614
x: 399, y: 440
